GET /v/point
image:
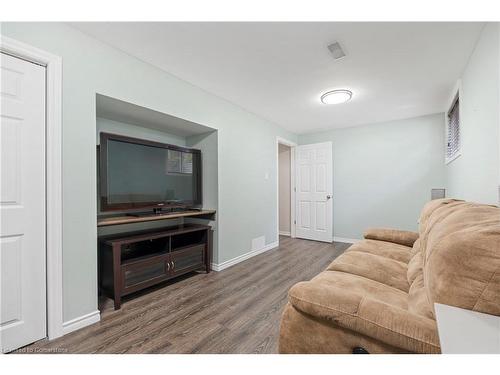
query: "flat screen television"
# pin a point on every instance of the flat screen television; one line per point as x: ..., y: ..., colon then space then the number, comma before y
x: 138, y: 174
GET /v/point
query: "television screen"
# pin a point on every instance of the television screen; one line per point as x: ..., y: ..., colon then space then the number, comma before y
x: 137, y: 173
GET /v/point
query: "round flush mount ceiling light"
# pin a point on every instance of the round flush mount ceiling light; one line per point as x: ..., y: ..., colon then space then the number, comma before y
x: 336, y: 96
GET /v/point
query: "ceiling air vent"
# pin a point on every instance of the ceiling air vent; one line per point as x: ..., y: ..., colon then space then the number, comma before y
x: 336, y: 50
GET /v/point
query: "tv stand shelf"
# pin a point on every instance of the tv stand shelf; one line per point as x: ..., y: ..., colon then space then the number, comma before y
x: 103, y: 221
x: 130, y: 262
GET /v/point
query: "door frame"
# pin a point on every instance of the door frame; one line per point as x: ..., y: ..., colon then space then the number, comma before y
x: 53, y: 177
x: 292, y: 145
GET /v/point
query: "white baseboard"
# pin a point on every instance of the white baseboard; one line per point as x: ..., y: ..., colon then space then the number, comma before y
x: 345, y: 240
x: 231, y: 262
x: 81, y: 321
x: 285, y: 233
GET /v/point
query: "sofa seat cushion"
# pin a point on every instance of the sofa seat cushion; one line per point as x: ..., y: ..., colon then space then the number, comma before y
x: 361, y: 286
x: 365, y: 307
x: 374, y: 267
x: 385, y: 249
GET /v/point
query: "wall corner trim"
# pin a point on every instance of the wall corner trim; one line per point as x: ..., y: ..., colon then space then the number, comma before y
x: 231, y: 262
x: 81, y: 322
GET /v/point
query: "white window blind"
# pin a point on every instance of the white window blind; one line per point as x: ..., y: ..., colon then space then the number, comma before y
x: 453, y: 138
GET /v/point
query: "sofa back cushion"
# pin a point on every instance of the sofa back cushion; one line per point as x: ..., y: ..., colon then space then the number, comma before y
x: 428, y: 210
x: 460, y: 249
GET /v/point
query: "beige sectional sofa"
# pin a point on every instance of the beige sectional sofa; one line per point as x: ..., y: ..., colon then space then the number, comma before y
x: 379, y: 295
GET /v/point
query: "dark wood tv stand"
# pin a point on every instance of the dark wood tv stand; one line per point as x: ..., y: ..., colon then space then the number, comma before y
x: 134, y: 261
x: 107, y: 220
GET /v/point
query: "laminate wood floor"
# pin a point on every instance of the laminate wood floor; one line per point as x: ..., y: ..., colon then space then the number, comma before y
x: 237, y: 310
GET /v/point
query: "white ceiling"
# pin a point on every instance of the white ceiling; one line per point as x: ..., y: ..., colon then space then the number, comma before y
x: 279, y: 70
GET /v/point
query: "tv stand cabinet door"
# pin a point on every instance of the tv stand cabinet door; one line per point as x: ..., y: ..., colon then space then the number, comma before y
x: 145, y: 273
x: 187, y: 259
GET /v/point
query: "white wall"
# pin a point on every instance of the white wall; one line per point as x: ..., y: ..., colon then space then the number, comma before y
x: 474, y: 175
x: 284, y: 165
x: 246, y: 149
x: 383, y: 173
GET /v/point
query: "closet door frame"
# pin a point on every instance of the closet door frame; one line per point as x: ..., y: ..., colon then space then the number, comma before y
x: 53, y: 133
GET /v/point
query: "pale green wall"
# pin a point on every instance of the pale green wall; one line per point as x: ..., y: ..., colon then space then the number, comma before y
x: 474, y: 175
x: 207, y: 143
x: 383, y: 173
x: 116, y: 127
x: 246, y: 149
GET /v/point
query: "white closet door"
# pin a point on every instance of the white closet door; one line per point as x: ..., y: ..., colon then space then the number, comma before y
x: 314, y: 192
x: 22, y: 204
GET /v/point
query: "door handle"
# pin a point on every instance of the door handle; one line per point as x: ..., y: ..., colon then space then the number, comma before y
x: 328, y: 197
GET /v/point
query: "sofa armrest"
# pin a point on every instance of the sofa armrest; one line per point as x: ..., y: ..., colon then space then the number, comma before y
x: 401, y: 237
x: 369, y: 317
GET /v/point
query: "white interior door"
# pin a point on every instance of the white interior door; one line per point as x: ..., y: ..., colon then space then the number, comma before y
x: 22, y: 203
x: 314, y: 192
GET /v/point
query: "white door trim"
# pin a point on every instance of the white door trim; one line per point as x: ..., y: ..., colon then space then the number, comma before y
x: 292, y: 145
x: 53, y: 65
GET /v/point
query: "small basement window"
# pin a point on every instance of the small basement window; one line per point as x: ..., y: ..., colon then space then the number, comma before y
x: 453, y: 131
